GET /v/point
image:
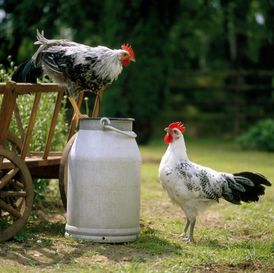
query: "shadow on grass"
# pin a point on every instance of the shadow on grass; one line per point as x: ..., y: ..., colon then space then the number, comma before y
x: 214, y: 244
x: 152, y: 244
x: 46, y: 246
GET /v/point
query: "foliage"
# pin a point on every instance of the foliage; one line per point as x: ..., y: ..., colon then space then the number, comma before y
x: 168, y: 37
x: 260, y: 136
x: 6, y: 71
x: 142, y: 88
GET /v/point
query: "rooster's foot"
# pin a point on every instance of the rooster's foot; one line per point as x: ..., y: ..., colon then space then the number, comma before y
x: 185, y: 238
x: 190, y: 240
x: 82, y: 116
x: 77, y: 117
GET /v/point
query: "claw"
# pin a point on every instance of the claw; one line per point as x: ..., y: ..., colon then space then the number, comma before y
x: 183, y: 236
x: 77, y: 113
x: 82, y: 116
x: 190, y: 241
x: 186, y: 239
x: 77, y: 117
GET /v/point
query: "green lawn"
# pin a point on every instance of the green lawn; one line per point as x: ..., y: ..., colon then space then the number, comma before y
x: 229, y: 238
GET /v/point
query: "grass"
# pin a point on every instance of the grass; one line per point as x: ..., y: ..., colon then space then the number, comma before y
x: 229, y: 238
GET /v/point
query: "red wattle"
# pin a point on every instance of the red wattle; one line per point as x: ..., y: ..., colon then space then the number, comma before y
x: 168, y: 138
x: 125, y: 62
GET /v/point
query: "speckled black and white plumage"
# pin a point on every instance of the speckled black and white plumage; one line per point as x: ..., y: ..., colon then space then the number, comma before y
x: 193, y: 187
x: 77, y: 66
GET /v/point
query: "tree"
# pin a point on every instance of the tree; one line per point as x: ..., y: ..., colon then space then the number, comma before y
x: 142, y: 89
x: 19, y: 26
x: 167, y: 36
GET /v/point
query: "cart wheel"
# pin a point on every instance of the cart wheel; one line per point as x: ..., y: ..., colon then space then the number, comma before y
x: 63, y: 171
x: 14, y: 143
x: 16, y: 194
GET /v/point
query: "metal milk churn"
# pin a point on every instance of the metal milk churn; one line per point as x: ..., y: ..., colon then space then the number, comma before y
x: 103, y: 195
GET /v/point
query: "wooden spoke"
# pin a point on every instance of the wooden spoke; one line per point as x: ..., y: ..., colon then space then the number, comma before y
x: 20, y: 203
x: 4, y: 194
x: 8, y: 177
x: 17, y: 184
x: 16, y: 194
x: 10, y: 209
x: 1, y: 161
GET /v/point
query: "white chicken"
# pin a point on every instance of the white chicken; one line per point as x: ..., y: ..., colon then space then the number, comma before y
x: 194, y: 187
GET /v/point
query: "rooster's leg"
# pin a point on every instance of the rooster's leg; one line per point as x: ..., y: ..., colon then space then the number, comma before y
x: 183, y: 235
x: 77, y: 113
x: 191, y: 230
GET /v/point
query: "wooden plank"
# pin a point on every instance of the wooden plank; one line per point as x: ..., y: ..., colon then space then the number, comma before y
x: 40, y: 154
x: 25, y: 88
x: 7, y: 107
x: 40, y: 163
x: 34, y: 162
x: 48, y: 171
x: 53, y: 124
x: 31, y: 125
x: 39, y: 168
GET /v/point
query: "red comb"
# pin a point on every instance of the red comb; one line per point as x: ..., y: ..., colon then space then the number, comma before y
x: 178, y: 125
x: 129, y: 49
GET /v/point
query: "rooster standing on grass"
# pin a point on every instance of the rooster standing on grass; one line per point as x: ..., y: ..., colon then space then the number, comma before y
x: 194, y: 187
x: 78, y: 67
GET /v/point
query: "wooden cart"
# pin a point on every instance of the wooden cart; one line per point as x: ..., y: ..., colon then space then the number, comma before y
x: 18, y: 165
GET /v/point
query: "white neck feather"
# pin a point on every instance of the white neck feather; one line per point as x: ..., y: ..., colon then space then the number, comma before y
x: 175, y: 152
x: 110, y: 66
x: 178, y: 149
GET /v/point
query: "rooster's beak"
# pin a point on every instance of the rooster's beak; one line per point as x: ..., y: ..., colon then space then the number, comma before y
x: 133, y: 60
x: 166, y: 129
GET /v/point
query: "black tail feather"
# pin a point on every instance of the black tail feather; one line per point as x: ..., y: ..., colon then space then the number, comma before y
x: 252, y: 183
x: 27, y: 72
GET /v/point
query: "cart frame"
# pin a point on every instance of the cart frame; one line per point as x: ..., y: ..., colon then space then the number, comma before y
x: 18, y: 166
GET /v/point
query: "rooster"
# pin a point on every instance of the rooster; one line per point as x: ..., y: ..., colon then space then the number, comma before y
x: 76, y: 66
x: 193, y: 187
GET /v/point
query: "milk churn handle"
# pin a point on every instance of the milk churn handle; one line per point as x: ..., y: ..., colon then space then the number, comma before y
x: 105, y: 122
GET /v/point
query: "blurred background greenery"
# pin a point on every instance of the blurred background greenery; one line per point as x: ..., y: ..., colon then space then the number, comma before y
x: 208, y: 63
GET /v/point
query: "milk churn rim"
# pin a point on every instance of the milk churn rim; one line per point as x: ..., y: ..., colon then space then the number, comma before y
x: 105, y: 123
x: 121, y: 119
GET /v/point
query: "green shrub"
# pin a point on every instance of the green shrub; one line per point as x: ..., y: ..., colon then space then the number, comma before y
x: 260, y: 136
